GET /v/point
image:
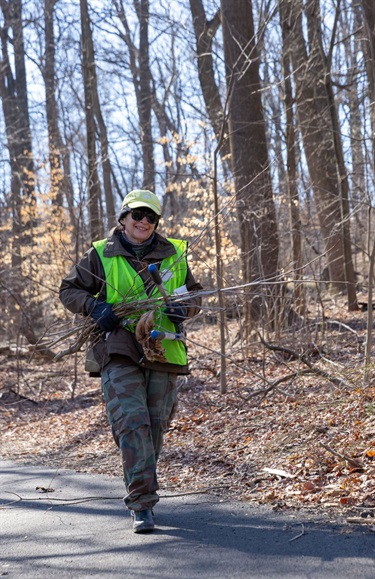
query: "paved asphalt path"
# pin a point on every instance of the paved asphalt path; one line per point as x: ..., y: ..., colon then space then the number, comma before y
x: 196, y: 536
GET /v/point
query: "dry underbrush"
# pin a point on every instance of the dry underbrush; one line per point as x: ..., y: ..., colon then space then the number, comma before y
x: 282, y: 435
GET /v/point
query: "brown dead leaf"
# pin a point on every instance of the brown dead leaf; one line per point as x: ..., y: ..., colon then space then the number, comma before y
x: 347, y: 501
x: 308, y: 486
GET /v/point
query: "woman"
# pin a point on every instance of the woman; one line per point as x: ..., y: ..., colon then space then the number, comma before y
x: 138, y: 374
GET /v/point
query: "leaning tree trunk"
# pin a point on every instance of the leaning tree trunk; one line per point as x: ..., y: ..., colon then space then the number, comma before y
x: 204, y: 33
x: 249, y: 155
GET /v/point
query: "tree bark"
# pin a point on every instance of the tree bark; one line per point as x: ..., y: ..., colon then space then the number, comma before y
x: 315, y: 123
x: 93, y: 185
x: 141, y: 75
x: 49, y: 76
x: 292, y: 173
x: 16, y: 114
x: 24, y: 134
x: 204, y: 33
x: 369, y: 19
x: 249, y: 155
x: 103, y: 136
x: 145, y: 98
x: 342, y: 172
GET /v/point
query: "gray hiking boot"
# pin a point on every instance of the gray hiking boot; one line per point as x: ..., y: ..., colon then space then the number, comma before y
x: 143, y: 521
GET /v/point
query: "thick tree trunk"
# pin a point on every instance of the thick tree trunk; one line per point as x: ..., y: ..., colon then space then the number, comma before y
x: 24, y: 134
x: 249, y: 155
x: 315, y: 124
x: 9, y: 105
x: 13, y: 89
x: 16, y: 115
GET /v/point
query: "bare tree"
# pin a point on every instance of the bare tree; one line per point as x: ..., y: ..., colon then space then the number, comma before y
x: 88, y: 62
x: 205, y: 31
x: 292, y: 169
x: 315, y: 124
x: 61, y: 185
x: 249, y: 155
x: 139, y: 66
x: 16, y: 114
x: 341, y: 168
x: 369, y: 18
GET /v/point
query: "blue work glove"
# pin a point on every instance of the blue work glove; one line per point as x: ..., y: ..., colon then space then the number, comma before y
x: 103, y: 315
x: 176, y: 313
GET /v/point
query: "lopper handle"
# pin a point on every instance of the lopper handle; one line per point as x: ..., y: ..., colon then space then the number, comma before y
x: 157, y: 335
x: 155, y: 274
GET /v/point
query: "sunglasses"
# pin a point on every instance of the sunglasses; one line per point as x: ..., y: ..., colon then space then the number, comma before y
x: 139, y: 214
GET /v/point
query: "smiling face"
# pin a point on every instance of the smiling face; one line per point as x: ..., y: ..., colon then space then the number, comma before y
x: 137, y: 231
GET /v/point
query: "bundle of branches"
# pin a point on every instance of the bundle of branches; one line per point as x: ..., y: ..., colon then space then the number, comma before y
x: 85, y: 329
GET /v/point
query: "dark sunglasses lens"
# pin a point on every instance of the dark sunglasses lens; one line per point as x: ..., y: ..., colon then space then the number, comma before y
x: 138, y: 215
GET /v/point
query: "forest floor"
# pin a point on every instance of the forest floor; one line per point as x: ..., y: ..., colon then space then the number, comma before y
x: 290, y: 433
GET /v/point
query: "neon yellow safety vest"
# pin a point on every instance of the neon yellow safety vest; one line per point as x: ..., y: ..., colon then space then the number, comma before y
x: 125, y: 285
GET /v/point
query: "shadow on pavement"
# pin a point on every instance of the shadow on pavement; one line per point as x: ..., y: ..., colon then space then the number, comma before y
x: 196, y: 535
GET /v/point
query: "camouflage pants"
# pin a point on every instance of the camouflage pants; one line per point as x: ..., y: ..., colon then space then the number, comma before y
x: 139, y: 405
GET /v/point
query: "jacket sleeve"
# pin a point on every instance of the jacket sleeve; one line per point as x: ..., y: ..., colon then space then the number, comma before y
x: 84, y: 281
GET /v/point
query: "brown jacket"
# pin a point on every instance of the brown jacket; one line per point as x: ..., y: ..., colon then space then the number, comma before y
x: 87, y: 279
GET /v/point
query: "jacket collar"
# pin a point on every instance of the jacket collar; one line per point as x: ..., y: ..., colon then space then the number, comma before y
x: 114, y: 247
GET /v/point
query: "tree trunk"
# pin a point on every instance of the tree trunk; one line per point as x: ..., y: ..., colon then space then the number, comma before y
x: 315, y: 124
x: 13, y: 89
x: 342, y: 172
x: 141, y: 75
x: 249, y: 155
x: 103, y: 137
x: 294, y: 202
x: 16, y: 114
x: 24, y: 134
x: 9, y: 105
x: 359, y: 194
x: 93, y: 185
x: 49, y: 75
x: 369, y: 18
x: 145, y: 98
x: 61, y: 185
x: 204, y: 33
